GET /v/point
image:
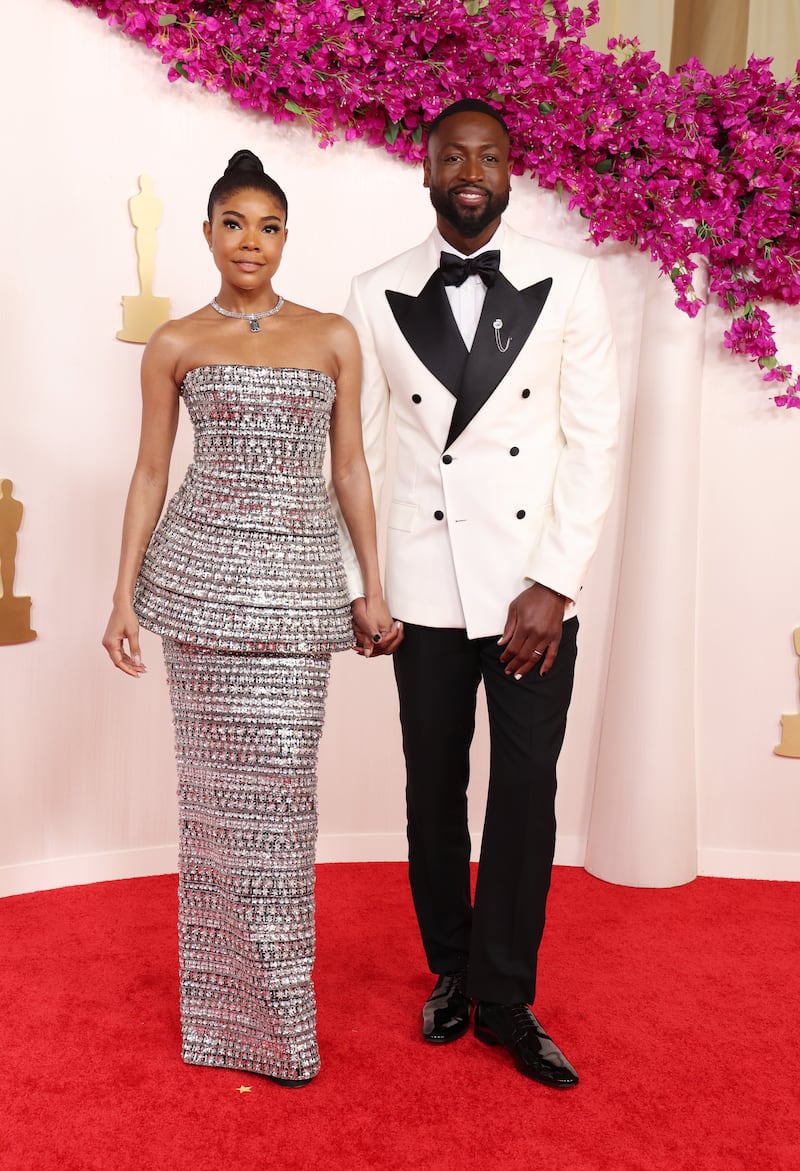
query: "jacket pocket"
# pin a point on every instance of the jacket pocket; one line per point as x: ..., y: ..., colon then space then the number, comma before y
x: 402, y: 516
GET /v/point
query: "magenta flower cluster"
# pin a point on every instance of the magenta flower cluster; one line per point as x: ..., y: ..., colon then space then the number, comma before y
x: 684, y: 167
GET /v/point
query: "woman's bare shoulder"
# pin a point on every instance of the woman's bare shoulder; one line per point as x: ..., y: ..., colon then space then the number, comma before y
x: 169, y: 341
x: 328, y: 325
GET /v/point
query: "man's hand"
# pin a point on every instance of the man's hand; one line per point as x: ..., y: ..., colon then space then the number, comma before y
x: 533, y: 630
x: 375, y: 631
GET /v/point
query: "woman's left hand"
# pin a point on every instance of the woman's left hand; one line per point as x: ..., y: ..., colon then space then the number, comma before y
x: 376, y: 632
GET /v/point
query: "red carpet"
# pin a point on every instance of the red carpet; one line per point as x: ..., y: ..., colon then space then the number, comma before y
x: 678, y: 1007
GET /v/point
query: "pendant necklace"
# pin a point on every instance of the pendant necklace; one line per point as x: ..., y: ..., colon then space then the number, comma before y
x: 253, y: 318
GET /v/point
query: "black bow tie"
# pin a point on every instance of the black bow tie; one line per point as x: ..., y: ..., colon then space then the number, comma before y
x: 455, y: 270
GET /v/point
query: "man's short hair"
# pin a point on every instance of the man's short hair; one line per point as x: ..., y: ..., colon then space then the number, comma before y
x: 468, y: 106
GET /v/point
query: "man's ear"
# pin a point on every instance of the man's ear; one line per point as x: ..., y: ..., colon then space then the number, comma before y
x: 426, y: 172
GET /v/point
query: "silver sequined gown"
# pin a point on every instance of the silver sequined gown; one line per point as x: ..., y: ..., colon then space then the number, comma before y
x: 244, y: 582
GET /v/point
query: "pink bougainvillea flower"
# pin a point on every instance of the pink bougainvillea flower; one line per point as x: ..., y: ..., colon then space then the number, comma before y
x: 691, y: 167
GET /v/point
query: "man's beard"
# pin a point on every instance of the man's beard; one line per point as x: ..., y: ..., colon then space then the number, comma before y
x: 469, y: 221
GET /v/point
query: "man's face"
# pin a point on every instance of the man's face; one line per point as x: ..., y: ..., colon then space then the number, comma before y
x: 468, y: 175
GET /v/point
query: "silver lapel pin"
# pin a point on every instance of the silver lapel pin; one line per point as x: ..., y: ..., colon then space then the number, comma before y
x: 497, y: 325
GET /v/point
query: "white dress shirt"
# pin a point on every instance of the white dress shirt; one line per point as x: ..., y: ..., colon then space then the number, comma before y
x: 466, y: 301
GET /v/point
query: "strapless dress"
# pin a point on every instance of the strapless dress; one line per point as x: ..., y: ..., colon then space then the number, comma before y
x: 247, y: 555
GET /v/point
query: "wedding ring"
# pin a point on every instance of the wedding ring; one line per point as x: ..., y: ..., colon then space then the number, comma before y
x: 538, y: 652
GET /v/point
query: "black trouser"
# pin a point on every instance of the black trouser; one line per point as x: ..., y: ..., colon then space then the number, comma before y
x: 437, y: 673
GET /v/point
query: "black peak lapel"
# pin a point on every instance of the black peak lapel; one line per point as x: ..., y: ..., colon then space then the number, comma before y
x: 428, y: 325
x: 487, y: 366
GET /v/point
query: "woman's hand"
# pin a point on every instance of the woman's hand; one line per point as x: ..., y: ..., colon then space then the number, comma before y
x: 124, y: 625
x: 376, y: 632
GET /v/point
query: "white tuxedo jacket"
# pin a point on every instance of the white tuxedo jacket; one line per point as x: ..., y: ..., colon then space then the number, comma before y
x: 504, y: 465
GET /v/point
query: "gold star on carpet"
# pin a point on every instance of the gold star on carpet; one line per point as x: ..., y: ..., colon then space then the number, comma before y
x: 243, y: 1089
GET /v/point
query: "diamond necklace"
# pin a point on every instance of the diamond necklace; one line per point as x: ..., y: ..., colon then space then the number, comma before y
x: 253, y: 318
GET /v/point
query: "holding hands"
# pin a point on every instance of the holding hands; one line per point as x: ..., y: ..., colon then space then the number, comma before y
x: 374, y: 629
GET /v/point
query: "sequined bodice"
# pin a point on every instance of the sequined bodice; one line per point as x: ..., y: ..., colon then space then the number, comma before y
x: 247, y: 555
x: 258, y: 456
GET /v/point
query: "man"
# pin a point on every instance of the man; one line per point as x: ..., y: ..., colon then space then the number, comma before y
x: 496, y: 352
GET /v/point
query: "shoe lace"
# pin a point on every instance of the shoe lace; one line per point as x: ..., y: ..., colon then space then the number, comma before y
x: 523, y: 1020
x: 452, y: 982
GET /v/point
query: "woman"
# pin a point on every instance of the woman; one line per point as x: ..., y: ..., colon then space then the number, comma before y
x: 243, y: 580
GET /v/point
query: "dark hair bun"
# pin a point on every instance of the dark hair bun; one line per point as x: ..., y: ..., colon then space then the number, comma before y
x: 245, y: 170
x: 245, y: 160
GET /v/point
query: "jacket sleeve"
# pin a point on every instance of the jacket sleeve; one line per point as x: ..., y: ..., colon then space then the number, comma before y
x: 374, y: 416
x: 589, y: 419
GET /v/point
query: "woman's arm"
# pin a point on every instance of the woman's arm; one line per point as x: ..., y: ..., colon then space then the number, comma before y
x: 146, y: 493
x: 351, y: 483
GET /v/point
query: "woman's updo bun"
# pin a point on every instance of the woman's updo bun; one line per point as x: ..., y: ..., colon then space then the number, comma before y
x: 244, y: 160
x: 245, y: 170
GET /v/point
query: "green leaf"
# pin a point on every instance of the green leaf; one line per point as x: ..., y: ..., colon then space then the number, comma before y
x: 181, y: 68
x: 417, y: 134
x: 293, y: 107
x: 473, y: 7
x: 731, y: 299
x: 167, y: 18
x: 748, y: 310
x: 669, y: 121
x: 391, y: 132
x: 768, y: 363
x: 548, y: 9
x: 355, y: 13
x: 546, y: 107
x: 604, y: 166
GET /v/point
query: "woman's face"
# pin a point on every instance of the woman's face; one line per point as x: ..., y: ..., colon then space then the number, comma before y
x: 246, y: 237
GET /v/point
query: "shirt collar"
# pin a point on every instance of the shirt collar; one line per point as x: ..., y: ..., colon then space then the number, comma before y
x: 490, y: 245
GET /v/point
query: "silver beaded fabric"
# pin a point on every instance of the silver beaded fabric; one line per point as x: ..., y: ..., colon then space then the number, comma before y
x: 247, y: 555
x: 244, y: 582
x: 247, y: 728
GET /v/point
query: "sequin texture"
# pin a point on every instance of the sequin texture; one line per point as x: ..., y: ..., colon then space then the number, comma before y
x: 247, y: 556
x: 247, y: 728
x: 244, y: 582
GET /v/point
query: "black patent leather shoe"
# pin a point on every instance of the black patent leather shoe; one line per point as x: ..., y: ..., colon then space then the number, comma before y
x: 446, y: 1012
x: 291, y: 1083
x: 535, y: 1054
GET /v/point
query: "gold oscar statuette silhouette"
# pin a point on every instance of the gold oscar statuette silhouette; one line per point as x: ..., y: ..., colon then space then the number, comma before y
x: 15, y: 613
x: 790, y: 725
x: 142, y: 313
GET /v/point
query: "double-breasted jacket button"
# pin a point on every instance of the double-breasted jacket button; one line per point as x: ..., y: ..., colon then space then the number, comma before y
x: 514, y: 451
x: 438, y: 515
x: 526, y: 392
x: 521, y: 514
x: 447, y: 459
x: 416, y: 398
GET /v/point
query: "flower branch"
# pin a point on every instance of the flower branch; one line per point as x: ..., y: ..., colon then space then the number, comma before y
x: 677, y: 166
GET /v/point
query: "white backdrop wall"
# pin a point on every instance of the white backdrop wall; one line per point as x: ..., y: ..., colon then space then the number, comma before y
x: 85, y: 753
